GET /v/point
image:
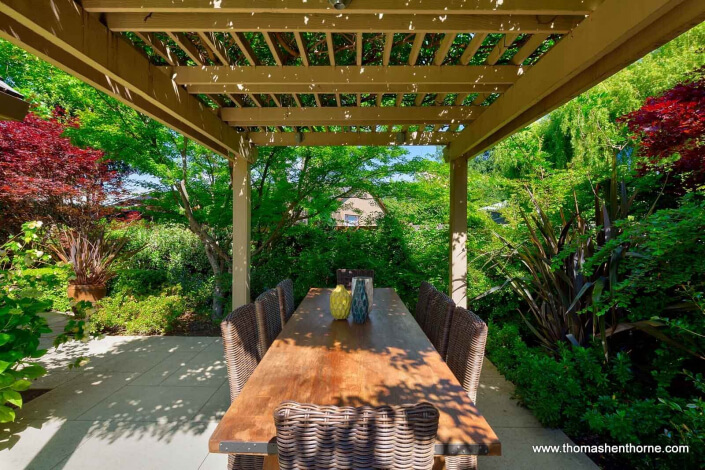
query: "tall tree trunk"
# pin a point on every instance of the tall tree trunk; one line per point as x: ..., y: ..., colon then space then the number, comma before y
x: 218, y: 303
x: 218, y: 258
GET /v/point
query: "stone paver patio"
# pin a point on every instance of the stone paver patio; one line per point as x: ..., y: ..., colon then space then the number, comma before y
x: 153, y: 402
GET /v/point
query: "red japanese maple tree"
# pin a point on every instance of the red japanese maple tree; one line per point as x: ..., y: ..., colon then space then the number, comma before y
x: 43, y: 176
x: 674, y: 123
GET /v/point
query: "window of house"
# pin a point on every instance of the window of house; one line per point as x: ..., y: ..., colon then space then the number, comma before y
x: 352, y: 220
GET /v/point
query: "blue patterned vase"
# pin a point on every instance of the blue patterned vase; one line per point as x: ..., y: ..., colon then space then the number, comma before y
x: 360, y: 304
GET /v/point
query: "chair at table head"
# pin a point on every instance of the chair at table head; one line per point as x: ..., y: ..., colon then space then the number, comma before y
x: 345, y: 276
x: 393, y: 437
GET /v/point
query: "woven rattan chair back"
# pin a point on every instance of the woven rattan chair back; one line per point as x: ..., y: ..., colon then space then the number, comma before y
x: 345, y: 276
x: 437, y: 322
x: 242, y: 354
x: 466, y: 349
x: 241, y: 344
x: 387, y: 437
x: 285, y: 291
x: 425, y: 291
x: 269, y: 320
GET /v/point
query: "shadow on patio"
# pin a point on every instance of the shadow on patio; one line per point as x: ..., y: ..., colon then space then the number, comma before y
x: 141, y: 402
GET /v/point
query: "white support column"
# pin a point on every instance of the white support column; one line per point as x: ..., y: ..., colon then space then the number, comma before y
x: 241, y: 232
x: 458, y: 256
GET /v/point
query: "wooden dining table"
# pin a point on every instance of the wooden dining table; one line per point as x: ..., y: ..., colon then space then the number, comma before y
x: 386, y: 361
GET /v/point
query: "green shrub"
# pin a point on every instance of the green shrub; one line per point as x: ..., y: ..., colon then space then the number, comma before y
x: 584, y: 395
x: 172, y: 257
x: 156, y: 314
x: 54, y: 290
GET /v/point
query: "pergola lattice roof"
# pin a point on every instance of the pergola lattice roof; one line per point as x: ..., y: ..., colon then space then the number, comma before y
x: 236, y: 73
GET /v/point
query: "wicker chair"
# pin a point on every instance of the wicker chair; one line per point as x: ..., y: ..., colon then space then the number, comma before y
x: 269, y: 321
x: 386, y: 437
x: 425, y: 290
x: 466, y: 351
x: 345, y: 276
x: 242, y: 354
x: 285, y: 290
x: 437, y: 323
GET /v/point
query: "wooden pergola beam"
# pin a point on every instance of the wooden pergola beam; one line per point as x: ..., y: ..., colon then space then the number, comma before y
x: 528, y: 48
x: 214, y: 44
x: 346, y: 89
x: 79, y: 44
x: 278, y: 22
x: 386, y: 7
x: 351, y: 75
x: 324, y: 139
x: 161, y: 49
x: 472, y: 48
x: 244, y: 45
x: 500, y: 48
x: 353, y: 116
x: 271, y: 41
x: 188, y: 47
x: 617, y: 34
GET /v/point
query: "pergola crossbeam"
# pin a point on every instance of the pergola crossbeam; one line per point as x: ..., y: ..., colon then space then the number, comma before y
x: 386, y: 7
x: 319, y: 139
x: 408, y: 88
x: 352, y: 116
x: 350, y: 75
x: 278, y: 22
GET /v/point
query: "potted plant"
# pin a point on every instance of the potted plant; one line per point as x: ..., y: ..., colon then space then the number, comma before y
x: 91, y: 256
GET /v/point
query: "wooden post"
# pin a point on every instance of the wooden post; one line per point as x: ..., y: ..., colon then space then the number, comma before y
x: 241, y: 232
x: 458, y: 255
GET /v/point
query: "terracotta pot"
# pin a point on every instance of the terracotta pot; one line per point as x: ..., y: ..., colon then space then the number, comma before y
x: 89, y: 293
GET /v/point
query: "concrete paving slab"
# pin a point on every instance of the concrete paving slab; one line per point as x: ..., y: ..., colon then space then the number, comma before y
x: 157, y: 374
x: 75, y: 397
x: 56, y: 378
x: 206, y: 369
x: 518, y: 454
x: 215, y: 462
x: 185, y: 448
x: 216, y: 406
x: 489, y: 369
x: 40, y: 445
x: 494, y: 399
x: 150, y: 403
x: 129, y: 361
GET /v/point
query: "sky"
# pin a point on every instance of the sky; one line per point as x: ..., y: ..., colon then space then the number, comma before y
x: 421, y: 150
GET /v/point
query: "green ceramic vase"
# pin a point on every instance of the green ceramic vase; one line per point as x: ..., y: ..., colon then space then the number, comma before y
x: 340, y: 302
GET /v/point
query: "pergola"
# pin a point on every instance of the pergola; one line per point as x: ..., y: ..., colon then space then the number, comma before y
x: 237, y: 74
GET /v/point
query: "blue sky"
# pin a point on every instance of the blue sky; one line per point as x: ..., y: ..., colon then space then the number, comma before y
x: 422, y: 150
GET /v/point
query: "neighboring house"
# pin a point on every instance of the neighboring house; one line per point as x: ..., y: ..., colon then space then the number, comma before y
x: 359, y: 210
x: 12, y: 104
x: 495, y: 212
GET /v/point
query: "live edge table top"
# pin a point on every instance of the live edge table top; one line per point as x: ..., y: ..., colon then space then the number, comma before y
x: 387, y: 361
